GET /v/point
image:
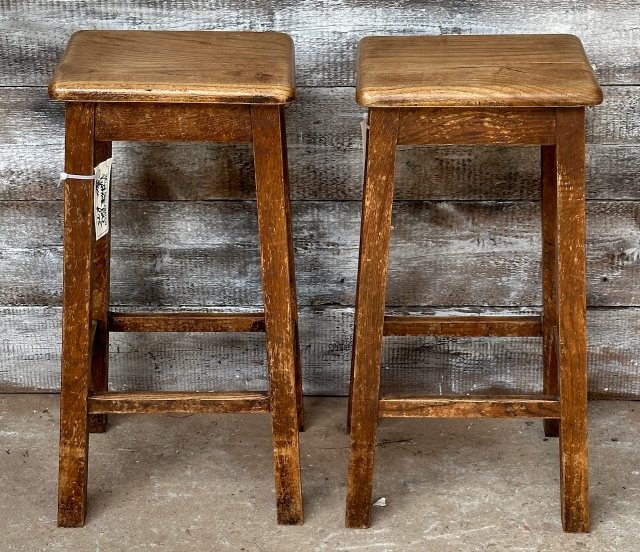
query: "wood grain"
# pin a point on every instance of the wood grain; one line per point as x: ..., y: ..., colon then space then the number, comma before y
x: 39, y: 30
x: 270, y: 160
x: 206, y: 243
x: 548, y: 213
x: 171, y: 402
x: 264, y: 126
x: 198, y: 172
x: 375, y: 235
x: 186, y: 322
x: 571, y: 326
x: 76, y: 359
x: 326, y: 164
x: 471, y: 326
x: 172, y: 123
x: 175, y: 66
x: 30, y: 336
x: 564, y: 330
x: 320, y: 117
x: 292, y: 276
x: 491, y: 406
x: 464, y: 126
x: 483, y: 70
x: 101, y: 285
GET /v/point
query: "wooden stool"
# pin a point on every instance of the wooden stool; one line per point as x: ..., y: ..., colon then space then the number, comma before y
x: 174, y: 86
x: 509, y: 90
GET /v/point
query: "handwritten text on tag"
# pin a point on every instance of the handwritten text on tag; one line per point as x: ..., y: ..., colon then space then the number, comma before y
x: 101, y: 186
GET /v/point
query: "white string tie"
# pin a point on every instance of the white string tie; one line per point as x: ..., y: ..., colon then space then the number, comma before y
x: 64, y: 176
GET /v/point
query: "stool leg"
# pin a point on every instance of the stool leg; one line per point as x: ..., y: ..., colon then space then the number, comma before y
x: 76, y: 313
x: 100, y: 308
x: 369, y: 317
x: 571, y: 305
x: 353, y: 348
x: 277, y: 272
x: 292, y: 275
x: 550, y: 315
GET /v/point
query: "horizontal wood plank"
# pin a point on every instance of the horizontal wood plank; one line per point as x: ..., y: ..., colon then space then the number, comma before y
x: 206, y: 253
x: 186, y: 322
x: 177, y: 402
x: 470, y: 407
x: 30, y: 348
x: 318, y: 117
x: 172, y: 122
x: 325, y: 152
x: 464, y: 326
x: 325, y: 54
x: 201, y: 172
x: 465, y: 126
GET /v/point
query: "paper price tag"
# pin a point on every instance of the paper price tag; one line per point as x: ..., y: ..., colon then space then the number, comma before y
x: 364, y: 129
x: 101, y: 190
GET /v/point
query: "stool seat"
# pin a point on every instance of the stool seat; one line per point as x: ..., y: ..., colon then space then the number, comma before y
x: 176, y: 67
x: 475, y: 71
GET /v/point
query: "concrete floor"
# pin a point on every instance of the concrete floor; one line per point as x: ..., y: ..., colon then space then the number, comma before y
x: 205, y: 483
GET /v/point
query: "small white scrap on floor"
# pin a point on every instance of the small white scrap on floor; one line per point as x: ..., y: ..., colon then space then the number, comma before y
x: 381, y: 502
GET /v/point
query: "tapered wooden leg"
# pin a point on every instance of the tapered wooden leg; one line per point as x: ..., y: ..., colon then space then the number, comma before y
x: 277, y: 273
x: 369, y: 316
x: 100, y: 308
x: 292, y: 276
x: 550, y: 316
x: 76, y: 316
x: 353, y: 345
x: 571, y: 306
x: 298, y: 364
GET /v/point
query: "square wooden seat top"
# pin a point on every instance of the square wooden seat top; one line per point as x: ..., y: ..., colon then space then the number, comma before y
x: 475, y: 71
x: 176, y: 67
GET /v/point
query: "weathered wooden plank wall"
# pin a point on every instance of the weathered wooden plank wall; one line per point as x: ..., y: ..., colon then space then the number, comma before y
x: 466, y: 226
